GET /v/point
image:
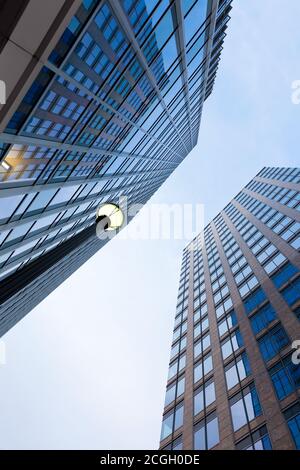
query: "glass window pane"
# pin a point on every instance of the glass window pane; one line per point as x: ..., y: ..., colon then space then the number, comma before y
x: 213, y: 437
x: 7, y: 206
x: 167, y: 426
x: 199, y: 439
x: 238, y: 415
x: 178, y: 417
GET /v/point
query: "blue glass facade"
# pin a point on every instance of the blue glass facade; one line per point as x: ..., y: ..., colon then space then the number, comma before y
x: 112, y: 112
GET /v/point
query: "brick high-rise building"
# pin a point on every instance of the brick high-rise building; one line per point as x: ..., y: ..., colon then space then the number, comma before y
x: 232, y: 383
x: 104, y: 99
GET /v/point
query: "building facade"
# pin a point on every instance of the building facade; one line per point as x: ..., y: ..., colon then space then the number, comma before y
x: 104, y: 99
x: 234, y: 376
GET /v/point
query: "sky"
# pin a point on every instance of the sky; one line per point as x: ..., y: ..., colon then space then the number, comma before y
x: 87, y: 368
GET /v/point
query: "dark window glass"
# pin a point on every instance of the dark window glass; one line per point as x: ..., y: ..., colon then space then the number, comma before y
x: 258, y: 440
x: 254, y: 300
x: 206, y: 433
x: 176, y: 366
x: 292, y: 415
x: 174, y: 445
x: 262, y: 318
x: 201, y: 345
x: 237, y: 370
x: 284, y: 274
x: 272, y: 342
x: 7, y: 207
x: 172, y: 421
x: 291, y: 293
x: 297, y: 312
x: 174, y: 391
x: 234, y: 342
x: 285, y: 377
x: 202, y: 368
x: 229, y: 322
x: 204, y: 396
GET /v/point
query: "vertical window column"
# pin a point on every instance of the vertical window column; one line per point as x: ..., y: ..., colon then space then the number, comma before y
x: 189, y: 374
x: 223, y: 412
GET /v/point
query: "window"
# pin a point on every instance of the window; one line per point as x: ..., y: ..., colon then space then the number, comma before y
x: 43, y: 223
x: 257, y: 440
x: 245, y: 288
x: 201, y: 327
x: 244, y: 407
x: 181, y: 307
x: 206, y: 433
x: 254, y: 300
x: 175, y: 445
x: 291, y: 293
x: 285, y: 377
x: 229, y: 322
x: 272, y: 342
x: 178, y: 347
x: 292, y: 416
x: 174, y: 391
x: 231, y: 344
x: 177, y: 366
x: 262, y: 318
x: 201, y: 345
x: 200, y: 300
x: 297, y: 312
x: 200, y: 312
x: 237, y: 370
x: 172, y: 421
x: 216, y: 273
x: 204, y: 396
x: 23, y: 249
x: 284, y: 274
x: 202, y: 368
x: 235, y: 256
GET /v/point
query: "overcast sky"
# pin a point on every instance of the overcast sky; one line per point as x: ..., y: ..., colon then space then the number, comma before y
x: 87, y: 368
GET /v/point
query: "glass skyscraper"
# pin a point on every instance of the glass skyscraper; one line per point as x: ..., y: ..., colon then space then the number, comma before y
x: 106, y: 103
x: 232, y: 381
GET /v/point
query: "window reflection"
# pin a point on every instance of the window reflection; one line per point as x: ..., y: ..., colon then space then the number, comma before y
x: 206, y: 433
x: 244, y: 406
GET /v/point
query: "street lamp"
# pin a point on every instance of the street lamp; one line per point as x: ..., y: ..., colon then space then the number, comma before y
x: 110, y: 217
